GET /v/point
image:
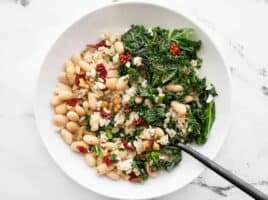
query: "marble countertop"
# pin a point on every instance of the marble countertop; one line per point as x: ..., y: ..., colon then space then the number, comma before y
x: 28, y: 28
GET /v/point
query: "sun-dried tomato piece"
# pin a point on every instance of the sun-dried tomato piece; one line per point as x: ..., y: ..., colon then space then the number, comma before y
x: 174, y: 49
x: 124, y: 58
x: 100, y: 68
x: 72, y: 101
x: 99, y: 44
x: 82, y: 149
x: 128, y: 146
x: 107, y: 160
x: 77, y: 78
x: 106, y: 115
x: 126, y: 109
x: 134, y: 178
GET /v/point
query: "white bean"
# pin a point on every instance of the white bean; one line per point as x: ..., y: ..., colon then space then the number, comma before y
x: 138, y: 100
x: 112, y: 175
x: 66, y: 136
x: 90, y: 159
x: 72, y: 126
x: 61, y: 109
x: 62, y: 86
x: 73, y: 116
x: 84, y: 65
x: 122, y: 83
x: 179, y: 108
x: 92, y: 101
x: 70, y: 68
x: 65, y: 95
x: 91, y: 139
x: 63, y: 78
x: 102, y: 169
x: 77, y: 69
x: 174, y: 87
x: 70, y: 73
x: 119, y: 47
x: 112, y: 74
x: 188, y: 98
x: 111, y: 83
x: 56, y: 101
x: 76, y: 146
x: 85, y: 105
x: 67, y: 64
x: 79, y: 110
x: 110, y: 146
x: 60, y: 120
x: 94, y: 121
x: 76, y: 57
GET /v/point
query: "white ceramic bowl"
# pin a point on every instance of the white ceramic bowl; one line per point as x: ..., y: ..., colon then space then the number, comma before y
x: 117, y: 18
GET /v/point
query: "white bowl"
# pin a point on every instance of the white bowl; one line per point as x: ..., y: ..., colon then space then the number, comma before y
x: 117, y: 18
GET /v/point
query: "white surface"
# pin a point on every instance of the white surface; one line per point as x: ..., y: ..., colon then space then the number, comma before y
x: 119, y: 17
x: 26, y: 33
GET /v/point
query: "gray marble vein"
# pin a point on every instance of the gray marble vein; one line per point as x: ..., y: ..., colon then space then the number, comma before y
x: 239, y: 48
x: 263, y: 71
x: 264, y: 90
x: 24, y: 3
x: 222, y: 190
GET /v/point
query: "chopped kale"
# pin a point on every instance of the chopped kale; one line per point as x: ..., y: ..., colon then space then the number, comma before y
x: 154, y: 116
x: 96, y: 149
x: 140, y: 165
x: 153, y: 158
x: 113, y: 158
x: 174, y: 155
x: 87, y: 122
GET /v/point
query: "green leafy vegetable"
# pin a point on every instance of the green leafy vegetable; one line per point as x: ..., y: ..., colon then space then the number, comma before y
x: 153, y: 158
x: 113, y: 158
x: 131, y: 71
x: 133, y: 74
x: 174, y: 155
x: 139, y: 165
x: 154, y: 115
x: 96, y: 149
x: 161, y: 66
x: 148, y: 92
x: 87, y: 122
x: 207, y: 121
x: 109, y: 133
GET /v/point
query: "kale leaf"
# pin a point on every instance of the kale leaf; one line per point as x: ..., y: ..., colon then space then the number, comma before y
x: 153, y: 157
x: 154, y: 116
x: 87, y: 122
x: 154, y: 49
x: 174, y: 155
x: 140, y: 165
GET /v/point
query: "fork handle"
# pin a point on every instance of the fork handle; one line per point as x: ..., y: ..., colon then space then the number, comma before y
x: 235, y: 180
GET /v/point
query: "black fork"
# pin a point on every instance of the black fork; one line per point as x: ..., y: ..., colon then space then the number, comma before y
x: 235, y: 180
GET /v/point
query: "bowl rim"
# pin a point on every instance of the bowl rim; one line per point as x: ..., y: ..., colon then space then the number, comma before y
x: 133, y: 2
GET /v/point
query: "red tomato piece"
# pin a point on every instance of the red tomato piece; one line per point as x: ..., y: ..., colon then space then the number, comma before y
x: 124, y: 58
x: 77, y: 78
x: 107, y: 160
x: 100, y: 68
x: 128, y: 146
x: 99, y: 44
x: 106, y: 115
x: 174, y: 49
x: 82, y: 149
x: 72, y: 101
